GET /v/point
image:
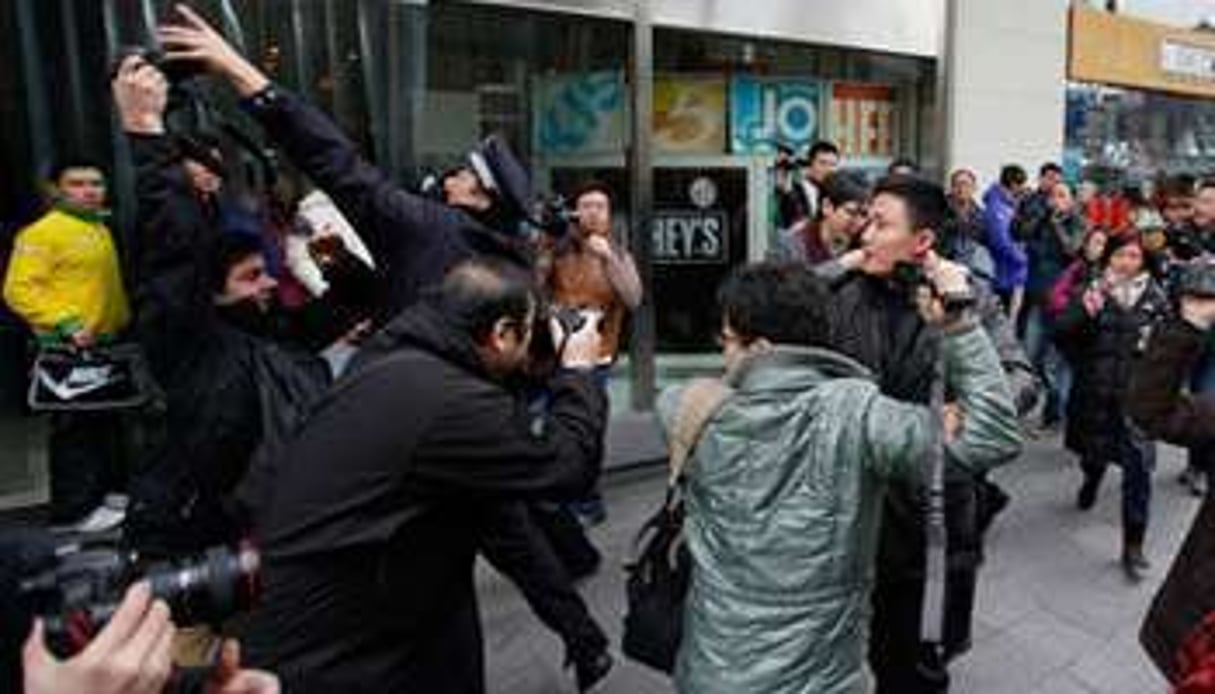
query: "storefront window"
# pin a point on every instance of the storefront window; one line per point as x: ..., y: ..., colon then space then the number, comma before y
x: 1137, y: 134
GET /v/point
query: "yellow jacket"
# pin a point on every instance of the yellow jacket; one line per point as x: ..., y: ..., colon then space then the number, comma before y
x: 64, y: 276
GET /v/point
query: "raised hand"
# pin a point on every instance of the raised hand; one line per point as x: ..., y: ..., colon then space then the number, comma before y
x: 195, y: 40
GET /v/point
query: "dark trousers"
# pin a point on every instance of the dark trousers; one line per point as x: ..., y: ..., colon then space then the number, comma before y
x: 901, y: 663
x: 86, y: 453
x: 516, y: 541
x: 1137, y: 458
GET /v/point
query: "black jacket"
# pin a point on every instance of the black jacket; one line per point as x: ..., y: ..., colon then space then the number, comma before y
x: 369, y: 538
x: 875, y: 322
x: 415, y: 240
x: 1103, y: 350
x: 219, y: 381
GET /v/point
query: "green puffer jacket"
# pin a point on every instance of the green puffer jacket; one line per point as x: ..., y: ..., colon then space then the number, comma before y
x: 784, y: 497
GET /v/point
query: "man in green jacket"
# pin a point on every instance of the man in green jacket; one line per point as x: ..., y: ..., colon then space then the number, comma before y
x: 784, y: 490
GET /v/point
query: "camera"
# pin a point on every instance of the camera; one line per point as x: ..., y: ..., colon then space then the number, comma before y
x: 1198, y: 277
x: 82, y: 588
x: 912, y: 275
x: 175, y: 71
x: 554, y: 217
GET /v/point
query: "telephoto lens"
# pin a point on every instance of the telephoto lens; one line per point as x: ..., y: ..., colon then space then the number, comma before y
x: 80, y: 593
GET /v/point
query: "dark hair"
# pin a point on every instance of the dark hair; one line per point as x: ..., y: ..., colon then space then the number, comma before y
x: 1049, y: 168
x: 593, y: 186
x: 822, y: 147
x: 1205, y: 183
x: 903, y: 163
x: 477, y: 293
x: 1179, y: 186
x: 842, y: 188
x: 781, y: 302
x: 61, y: 166
x: 1012, y: 175
x: 228, y: 249
x: 1116, y: 242
x: 925, y: 201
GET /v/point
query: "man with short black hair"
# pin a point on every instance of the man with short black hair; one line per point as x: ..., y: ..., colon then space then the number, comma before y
x: 205, y: 320
x: 1000, y: 204
x: 836, y: 228
x: 368, y: 575
x: 874, y: 322
x: 799, y: 199
x: 64, y: 280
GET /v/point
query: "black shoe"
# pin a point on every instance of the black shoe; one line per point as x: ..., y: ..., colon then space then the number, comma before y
x: 591, y: 671
x: 1087, y: 497
x: 1134, y: 564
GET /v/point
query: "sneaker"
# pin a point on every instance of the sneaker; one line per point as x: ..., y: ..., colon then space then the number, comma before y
x: 102, y: 519
x: 591, y: 512
x: 1196, y: 482
x: 118, y: 502
x: 1134, y: 564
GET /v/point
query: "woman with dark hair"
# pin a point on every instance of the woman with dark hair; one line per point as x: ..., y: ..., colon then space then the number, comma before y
x: 1103, y: 331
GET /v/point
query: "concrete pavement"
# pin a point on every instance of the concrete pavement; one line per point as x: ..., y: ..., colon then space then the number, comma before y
x: 1055, y: 614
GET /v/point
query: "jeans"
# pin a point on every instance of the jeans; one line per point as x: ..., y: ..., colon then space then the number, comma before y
x: 1056, y: 373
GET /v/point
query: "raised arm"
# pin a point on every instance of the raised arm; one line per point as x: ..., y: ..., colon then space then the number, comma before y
x: 396, y: 225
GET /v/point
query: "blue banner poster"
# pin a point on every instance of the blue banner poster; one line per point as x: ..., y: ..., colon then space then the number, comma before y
x: 765, y: 112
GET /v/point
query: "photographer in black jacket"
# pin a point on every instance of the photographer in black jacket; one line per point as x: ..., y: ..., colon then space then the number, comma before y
x: 368, y: 567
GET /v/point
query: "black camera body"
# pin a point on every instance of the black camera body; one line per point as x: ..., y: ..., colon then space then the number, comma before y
x: 81, y: 590
x: 1198, y: 277
x: 554, y: 217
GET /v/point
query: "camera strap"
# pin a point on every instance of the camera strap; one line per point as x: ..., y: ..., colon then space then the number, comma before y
x: 932, y: 616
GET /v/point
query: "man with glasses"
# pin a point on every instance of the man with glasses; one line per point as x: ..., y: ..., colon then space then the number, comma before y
x: 834, y: 230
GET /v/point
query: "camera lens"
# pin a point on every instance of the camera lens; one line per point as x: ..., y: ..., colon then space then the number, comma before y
x: 209, y: 590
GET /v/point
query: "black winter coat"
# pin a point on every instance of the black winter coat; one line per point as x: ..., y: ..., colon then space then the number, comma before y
x: 1158, y: 404
x: 369, y: 537
x: 213, y: 374
x: 874, y: 322
x: 415, y: 240
x: 1102, y: 350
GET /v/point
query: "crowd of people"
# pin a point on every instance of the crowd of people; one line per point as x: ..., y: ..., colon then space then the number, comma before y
x: 376, y: 386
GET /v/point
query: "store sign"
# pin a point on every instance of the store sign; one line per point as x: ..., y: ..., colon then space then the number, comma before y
x: 764, y: 112
x: 579, y: 114
x: 1187, y: 60
x: 690, y: 114
x: 686, y: 237
x: 864, y: 120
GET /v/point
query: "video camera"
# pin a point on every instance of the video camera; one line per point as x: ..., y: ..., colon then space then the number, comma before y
x: 787, y: 160
x: 554, y: 217
x: 79, y: 593
x: 1198, y: 277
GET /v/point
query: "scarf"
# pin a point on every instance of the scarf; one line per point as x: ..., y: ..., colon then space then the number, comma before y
x: 1127, y: 291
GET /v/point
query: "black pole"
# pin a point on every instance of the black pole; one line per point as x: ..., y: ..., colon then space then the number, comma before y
x: 641, y: 81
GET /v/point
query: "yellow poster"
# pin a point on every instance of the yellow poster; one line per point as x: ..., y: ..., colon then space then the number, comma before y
x: 690, y: 114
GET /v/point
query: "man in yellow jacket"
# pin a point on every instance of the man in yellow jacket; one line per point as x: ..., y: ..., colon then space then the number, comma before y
x: 64, y: 280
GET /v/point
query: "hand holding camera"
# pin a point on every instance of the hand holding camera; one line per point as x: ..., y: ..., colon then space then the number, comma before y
x: 576, y: 337
x: 946, y: 292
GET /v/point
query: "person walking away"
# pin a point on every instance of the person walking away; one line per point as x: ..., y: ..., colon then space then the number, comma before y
x: 64, y: 280
x: 1104, y: 331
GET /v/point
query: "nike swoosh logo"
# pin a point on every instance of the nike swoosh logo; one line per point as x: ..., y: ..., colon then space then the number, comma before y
x: 65, y: 390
